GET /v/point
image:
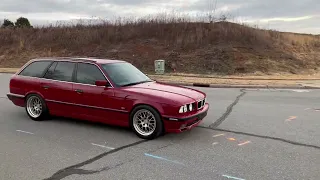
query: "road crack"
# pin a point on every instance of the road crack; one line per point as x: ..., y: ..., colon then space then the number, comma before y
x: 228, y: 111
x: 74, y: 169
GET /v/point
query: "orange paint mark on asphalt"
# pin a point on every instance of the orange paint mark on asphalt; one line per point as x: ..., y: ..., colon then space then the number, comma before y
x: 231, y: 139
x: 291, y: 118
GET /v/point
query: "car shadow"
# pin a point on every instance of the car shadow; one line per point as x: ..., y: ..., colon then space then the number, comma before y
x: 64, y: 121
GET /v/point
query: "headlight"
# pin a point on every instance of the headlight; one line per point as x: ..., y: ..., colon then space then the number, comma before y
x: 181, y: 110
x: 185, y: 108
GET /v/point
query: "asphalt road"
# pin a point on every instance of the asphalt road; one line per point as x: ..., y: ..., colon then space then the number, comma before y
x: 248, y: 134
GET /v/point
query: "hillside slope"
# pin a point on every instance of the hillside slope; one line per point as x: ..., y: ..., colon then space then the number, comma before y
x: 221, y: 47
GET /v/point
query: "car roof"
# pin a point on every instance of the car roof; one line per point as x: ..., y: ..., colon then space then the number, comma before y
x: 84, y: 59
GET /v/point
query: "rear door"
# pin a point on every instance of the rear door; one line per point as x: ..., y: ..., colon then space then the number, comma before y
x: 93, y: 102
x: 57, y: 89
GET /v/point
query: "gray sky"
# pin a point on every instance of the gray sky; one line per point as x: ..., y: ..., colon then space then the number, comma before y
x: 284, y: 15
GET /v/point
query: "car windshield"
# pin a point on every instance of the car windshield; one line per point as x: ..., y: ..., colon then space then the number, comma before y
x: 125, y: 74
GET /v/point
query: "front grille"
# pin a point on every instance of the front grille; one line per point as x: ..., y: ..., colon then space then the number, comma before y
x: 201, y: 103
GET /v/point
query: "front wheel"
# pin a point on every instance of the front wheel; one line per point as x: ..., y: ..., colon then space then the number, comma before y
x: 36, y: 107
x: 146, y: 122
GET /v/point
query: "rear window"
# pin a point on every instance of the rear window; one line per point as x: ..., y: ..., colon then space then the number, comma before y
x: 35, y: 69
x: 61, y: 71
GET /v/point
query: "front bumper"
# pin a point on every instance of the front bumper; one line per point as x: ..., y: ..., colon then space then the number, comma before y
x: 177, y: 125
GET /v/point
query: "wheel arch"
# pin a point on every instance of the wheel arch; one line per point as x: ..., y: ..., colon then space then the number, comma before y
x: 33, y: 92
x: 159, y: 110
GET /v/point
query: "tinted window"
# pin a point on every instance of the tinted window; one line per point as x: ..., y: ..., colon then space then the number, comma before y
x: 36, y: 69
x: 50, y: 70
x: 124, y: 74
x: 88, y: 74
x: 63, y: 71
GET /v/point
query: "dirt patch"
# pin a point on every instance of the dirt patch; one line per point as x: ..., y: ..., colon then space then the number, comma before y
x: 188, y: 47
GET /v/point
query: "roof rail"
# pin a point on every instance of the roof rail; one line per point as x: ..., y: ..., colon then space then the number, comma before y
x: 81, y: 58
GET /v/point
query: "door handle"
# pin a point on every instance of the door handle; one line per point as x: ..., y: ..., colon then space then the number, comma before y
x: 45, y: 87
x: 79, y: 91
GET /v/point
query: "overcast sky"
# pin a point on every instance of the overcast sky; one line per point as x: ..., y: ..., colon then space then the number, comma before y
x: 284, y: 15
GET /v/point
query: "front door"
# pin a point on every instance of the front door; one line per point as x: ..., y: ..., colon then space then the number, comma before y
x: 57, y: 88
x: 92, y: 102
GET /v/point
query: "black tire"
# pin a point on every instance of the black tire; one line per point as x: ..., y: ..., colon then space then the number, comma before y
x: 159, y: 124
x: 44, y: 112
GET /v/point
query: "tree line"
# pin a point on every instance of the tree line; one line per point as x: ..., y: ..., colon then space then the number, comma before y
x: 21, y: 22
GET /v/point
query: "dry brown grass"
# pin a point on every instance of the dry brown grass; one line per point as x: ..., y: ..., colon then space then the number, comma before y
x: 188, y: 47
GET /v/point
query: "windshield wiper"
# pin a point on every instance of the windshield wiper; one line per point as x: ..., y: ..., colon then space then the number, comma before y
x: 135, y: 83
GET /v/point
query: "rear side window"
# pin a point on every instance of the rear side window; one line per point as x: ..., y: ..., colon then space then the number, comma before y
x: 35, y: 69
x: 61, y: 71
x: 88, y: 74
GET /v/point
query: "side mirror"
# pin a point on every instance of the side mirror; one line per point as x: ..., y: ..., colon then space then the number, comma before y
x: 102, y: 83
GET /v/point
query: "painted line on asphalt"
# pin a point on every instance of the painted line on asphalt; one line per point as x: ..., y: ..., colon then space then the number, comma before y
x: 162, y: 158
x: 232, y: 177
x: 102, y: 146
x: 241, y: 144
x: 215, y: 143
x: 24, y: 132
x: 291, y: 118
x: 218, y: 135
x: 300, y: 90
x: 231, y: 139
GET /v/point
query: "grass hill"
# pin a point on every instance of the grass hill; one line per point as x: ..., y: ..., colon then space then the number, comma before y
x: 188, y: 47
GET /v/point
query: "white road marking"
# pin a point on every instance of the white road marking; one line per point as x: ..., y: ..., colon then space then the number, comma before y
x: 299, y: 90
x: 218, y: 135
x: 232, y: 177
x: 102, y: 146
x: 244, y: 143
x: 24, y: 132
x: 215, y: 143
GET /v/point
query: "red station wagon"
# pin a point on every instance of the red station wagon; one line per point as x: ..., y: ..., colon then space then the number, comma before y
x: 106, y: 91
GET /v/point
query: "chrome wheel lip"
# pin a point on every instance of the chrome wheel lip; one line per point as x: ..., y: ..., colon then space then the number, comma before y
x: 144, y: 122
x: 34, y: 106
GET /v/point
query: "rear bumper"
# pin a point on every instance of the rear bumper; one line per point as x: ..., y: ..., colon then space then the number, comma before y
x: 178, y: 125
x: 16, y: 99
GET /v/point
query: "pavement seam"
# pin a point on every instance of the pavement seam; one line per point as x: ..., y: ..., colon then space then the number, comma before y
x: 74, y: 169
x: 228, y: 111
x: 262, y: 136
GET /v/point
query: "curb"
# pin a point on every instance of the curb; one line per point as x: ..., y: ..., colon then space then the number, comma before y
x: 242, y: 86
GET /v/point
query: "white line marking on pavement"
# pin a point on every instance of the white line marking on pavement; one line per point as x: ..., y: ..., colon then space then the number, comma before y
x: 215, y: 143
x: 24, y: 132
x: 298, y: 90
x: 218, y: 135
x: 102, y: 146
x: 244, y: 143
x: 232, y: 177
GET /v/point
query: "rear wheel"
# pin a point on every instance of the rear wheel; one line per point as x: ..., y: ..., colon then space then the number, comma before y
x: 146, y: 122
x: 36, y: 107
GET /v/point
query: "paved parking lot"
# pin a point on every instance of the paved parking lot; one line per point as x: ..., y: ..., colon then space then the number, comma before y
x: 248, y: 134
